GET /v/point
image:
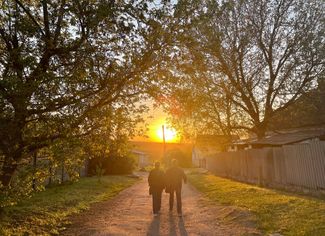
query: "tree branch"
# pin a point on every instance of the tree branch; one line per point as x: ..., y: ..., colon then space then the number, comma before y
x: 30, y: 16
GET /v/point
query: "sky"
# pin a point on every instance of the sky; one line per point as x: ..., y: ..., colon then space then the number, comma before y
x: 156, y: 119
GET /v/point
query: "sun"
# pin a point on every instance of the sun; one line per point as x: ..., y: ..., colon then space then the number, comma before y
x: 170, y: 133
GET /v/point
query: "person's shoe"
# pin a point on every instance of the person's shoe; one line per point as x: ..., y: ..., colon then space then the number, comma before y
x: 155, y: 214
x: 180, y: 215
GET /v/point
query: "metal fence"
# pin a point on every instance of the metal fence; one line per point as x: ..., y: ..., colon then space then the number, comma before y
x: 300, y: 165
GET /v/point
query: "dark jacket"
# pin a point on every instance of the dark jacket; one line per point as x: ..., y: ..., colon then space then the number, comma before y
x: 156, y: 180
x: 175, y: 176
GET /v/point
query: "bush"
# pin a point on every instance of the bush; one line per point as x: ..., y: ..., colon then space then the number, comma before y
x: 184, y: 159
x: 112, y: 165
x: 22, y: 184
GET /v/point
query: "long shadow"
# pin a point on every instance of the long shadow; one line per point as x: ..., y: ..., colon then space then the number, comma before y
x: 173, y: 228
x: 181, y: 227
x: 172, y: 225
x: 154, y: 227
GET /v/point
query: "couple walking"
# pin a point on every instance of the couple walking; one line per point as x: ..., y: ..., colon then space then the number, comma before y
x: 171, y: 181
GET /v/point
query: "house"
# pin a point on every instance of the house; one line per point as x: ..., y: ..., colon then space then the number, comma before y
x: 280, y: 138
x: 241, y: 144
x: 142, y: 157
x: 149, y: 152
x: 207, y: 145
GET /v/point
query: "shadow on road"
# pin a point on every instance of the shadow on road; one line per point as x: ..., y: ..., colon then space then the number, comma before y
x: 175, y: 226
x: 181, y: 227
x: 154, y: 227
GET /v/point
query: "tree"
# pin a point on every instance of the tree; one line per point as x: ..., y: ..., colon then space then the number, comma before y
x: 108, y: 147
x: 307, y: 111
x: 252, y: 59
x: 62, y: 61
x: 184, y: 158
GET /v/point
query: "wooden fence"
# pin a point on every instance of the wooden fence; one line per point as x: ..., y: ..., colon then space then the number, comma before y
x: 300, y: 165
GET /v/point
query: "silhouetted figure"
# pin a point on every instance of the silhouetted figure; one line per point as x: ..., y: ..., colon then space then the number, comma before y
x: 156, y: 182
x: 175, y: 176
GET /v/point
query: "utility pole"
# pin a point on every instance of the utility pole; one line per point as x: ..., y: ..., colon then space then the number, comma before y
x: 164, y: 141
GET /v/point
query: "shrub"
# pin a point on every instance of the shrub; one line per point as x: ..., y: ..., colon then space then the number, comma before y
x: 184, y: 160
x: 112, y: 165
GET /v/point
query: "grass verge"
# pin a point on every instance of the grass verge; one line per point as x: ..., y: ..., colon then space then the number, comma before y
x: 45, y: 213
x: 275, y: 211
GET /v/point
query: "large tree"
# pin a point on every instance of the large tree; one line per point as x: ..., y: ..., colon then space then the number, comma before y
x: 248, y: 60
x: 61, y: 61
x: 307, y: 111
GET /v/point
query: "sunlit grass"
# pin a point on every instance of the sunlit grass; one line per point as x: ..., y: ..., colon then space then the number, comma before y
x: 275, y: 211
x: 46, y: 212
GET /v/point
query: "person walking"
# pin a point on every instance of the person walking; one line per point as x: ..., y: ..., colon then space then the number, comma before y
x: 175, y: 176
x: 156, y: 180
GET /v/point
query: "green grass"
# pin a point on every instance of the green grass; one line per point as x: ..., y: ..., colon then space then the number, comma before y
x: 275, y: 211
x: 45, y: 213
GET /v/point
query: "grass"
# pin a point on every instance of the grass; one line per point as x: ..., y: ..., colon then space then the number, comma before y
x: 46, y: 213
x: 275, y: 211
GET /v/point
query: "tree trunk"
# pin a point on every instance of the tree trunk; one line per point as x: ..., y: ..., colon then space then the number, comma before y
x: 260, y: 134
x: 62, y: 172
x: 50, y: 171
x: 260, y: 130
x: 7, y: 171
x: 34, y: 171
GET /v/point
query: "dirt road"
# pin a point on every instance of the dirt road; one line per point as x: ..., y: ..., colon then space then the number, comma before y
x: 130, y: 213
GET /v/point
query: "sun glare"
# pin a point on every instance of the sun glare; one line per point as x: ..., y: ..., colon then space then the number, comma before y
x: 170, y: 134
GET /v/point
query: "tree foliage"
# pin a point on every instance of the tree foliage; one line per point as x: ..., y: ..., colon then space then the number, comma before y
x: 236, y: 64
x: 108, y: 149
x: 62, y: 61
x: 307, y: 111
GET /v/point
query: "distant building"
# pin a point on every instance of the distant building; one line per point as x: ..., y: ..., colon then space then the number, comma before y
x: 149, y: 152
x: 280, y: 138
x: 142, y: 157
x: 207, y: 145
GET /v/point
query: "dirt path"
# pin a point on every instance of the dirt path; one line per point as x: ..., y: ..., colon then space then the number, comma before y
x: 130, y: 214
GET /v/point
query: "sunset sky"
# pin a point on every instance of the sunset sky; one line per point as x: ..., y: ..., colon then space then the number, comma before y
x: 157, y: 118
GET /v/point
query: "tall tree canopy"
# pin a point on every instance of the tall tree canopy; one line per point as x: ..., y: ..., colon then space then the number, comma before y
x: 61, y: 61
x: 307, y: 111
x: 236, y: 64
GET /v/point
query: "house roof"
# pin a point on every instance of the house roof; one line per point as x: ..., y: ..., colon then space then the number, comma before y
x: 211, y: 139
x: 288, y: 137
x: 137, y: 152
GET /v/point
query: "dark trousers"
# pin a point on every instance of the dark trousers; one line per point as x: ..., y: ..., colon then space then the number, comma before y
x: 156, y: 201
x: 178, y: 192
